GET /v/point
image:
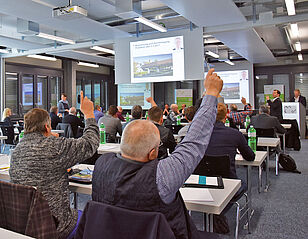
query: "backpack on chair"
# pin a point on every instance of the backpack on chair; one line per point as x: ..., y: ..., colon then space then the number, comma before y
x: 288, y: 163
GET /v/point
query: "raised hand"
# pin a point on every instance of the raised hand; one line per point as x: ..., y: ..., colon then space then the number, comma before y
x: 212, y: 83
x: 86, y: 106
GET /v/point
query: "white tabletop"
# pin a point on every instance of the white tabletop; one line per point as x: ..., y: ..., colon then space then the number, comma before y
x: 184, y: 124
x: 3, y: 137
x: 286, y: 126
x: 4, y: 162
x: 268, y: 142
x: 243, y: 131
x: 260, y: 157
x: 12, y: 235
x: 221, y: 197
x: 108, y: 148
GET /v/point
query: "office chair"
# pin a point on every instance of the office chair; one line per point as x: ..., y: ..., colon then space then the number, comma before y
x: 220, y: 166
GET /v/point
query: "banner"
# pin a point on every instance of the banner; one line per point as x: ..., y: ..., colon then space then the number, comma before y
x: 268, y: 91
x: 184, y: 96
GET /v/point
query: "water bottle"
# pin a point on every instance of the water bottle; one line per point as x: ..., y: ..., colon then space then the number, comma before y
x: 21, y: 135
x: 252, y: 138
x: 247, y: 122
x: 102, y: 134
x: 178, y: 120
x: 127, y: 117
x: 146, y: 116
x: 78, y: 114
x: 227, y: 123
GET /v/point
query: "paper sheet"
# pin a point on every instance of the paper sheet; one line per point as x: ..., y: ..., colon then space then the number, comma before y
x: 193, y: 179
x: 239, y: 157
x: 196, y: 194
x: 211, y: 181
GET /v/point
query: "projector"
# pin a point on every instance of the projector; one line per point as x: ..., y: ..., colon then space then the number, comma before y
x: 69, y: 12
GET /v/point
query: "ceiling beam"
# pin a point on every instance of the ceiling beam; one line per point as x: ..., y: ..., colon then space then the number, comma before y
x: 249, y: 24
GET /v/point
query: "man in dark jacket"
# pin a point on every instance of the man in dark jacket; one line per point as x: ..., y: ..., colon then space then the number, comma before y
x: 275, y: 105
x: 136, y: 113
x: 55, y: 119
x: 264, y: 121
x: 74, y: 121
x: 298, y: 97
x: 136, y: 180
x: 166, y: 136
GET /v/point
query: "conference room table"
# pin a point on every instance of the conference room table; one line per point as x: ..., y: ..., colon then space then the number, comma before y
x: 6, y: 234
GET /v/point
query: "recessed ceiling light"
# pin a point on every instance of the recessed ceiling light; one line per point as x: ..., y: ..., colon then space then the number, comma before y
x: 80, y: 63
x: 300, y: 57
x: 294, y: 29
x: 47, y: 58
x: 230, y: 62
x: 298, y: 46
x: 290, y: 7
x: 149, y: 23
x: 103, y: 49
x: 210, y: 53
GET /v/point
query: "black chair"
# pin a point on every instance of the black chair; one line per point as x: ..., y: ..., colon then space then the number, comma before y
x: 267, y: 133
x: 174, y: 128
x: 68, y: 132
x: 220, y: 166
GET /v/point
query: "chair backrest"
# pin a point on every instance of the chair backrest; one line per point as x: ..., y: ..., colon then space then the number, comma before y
x: 7, y: 131
x: 68, y: 132
x: 118, y: 223
x: 270, y: 133
x: 214, y: 166
x: 24, y: 210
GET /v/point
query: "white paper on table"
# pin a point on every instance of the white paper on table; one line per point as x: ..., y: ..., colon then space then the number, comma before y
x: 196, y: 194
x: 239, y: 157
x: 108, y: 147
x: 193, y: 179
x: 212, y: 181
x: 4, y: 166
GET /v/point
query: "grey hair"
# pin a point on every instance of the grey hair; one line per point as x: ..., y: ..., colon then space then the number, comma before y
x: 139, y: 145
x: 264, y: 109
x: 73, y: 110
x: 233, y: 107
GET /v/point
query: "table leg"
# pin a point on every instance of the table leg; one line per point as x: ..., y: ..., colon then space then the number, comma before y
x: 277, y: 164
x: 249, y: 195
x: 260, y: 179
x: 267, y: 169
x: 284, y: 143
x: 211, y: 223
x: 206, y: 222
x: 75, y: 200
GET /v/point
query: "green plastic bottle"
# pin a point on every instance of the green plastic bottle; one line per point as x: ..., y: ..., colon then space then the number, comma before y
x: 146, y: 115
x: 178, y: 120
x: 21, y: 135
x: 78, y: 114
x: 227, y: 123
x: 247, y: 121
x: 127, y: 117
x: 252, y: 138
x: 102, y: 134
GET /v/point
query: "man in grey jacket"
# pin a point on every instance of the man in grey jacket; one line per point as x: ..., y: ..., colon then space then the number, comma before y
x: 41, y: 159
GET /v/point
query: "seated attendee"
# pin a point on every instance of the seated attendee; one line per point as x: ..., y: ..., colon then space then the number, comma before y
x: 98, y: 113
x: 298, y: 97
x: 247, y: 106
x: 136, y: 113
x: 172, y: 116
x: 41, y: 160
x: 55, y: 119
x: 226, y: 140
x: 119, y: 113
x: 182, y: 112
x: 112, y: 124
x: 166, y: 136
x: 238, y: 117
x: 264, y: 121
x: 6, y: 117
x: 166, y: 110
x: 136, y: 180
x: 74, y: 121
x: 189, y: 115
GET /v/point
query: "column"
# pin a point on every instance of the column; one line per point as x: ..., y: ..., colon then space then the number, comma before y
x: 69, y: 80
x: 2, y: 84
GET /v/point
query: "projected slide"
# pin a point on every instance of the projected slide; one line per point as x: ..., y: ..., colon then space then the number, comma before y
x: 134, y: 94
x: 236, y: 85
x: 157, y: 60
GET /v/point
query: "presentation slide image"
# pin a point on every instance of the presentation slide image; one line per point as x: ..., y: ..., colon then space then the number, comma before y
x: 236, y: 85
x: 128, y: 99
x: 157, y: 60
x: 231, y: 91
x: 134, y: 94
x: 153, y: 66
x: 27, y: 94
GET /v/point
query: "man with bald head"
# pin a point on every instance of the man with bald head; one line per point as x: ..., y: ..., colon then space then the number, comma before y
x: 136, y: 180
x: 74, y: 121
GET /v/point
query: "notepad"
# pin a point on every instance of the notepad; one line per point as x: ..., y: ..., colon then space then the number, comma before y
x: 196, y: 194
x: 203, y: 180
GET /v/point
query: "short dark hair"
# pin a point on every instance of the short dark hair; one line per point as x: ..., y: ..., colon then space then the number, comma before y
x: 155, y: 113
x: 64, y: 94
x: 190, y: 113
x: 221, y: 112
x: 278, y: 92
x: 35, y: 121
x: 53, y: 109
x: 136, y: 112
x: 112, y: 110
x: 233, y: 107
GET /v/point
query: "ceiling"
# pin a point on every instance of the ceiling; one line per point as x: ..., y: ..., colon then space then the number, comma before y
x: 256, y: 30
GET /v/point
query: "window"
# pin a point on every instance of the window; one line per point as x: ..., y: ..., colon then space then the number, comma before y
x: 55, y: 90
x: 27, y: 92
x: 301, y: 83
x: 41, y: 92
x: 11, y: 91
